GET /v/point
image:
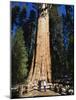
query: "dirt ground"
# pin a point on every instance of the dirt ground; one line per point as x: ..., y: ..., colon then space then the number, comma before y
x: 36, y: 93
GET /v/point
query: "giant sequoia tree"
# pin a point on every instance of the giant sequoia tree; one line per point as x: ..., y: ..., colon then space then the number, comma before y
x: 25, y: 39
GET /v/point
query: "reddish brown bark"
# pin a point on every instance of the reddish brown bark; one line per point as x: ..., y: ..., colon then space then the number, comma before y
x: 41, y: 66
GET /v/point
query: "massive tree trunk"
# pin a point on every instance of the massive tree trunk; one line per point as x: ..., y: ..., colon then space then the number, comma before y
x: 41, y: 62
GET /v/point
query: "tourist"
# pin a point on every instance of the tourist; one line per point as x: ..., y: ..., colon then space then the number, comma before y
x: 39, y: 85
x: 44, y: 85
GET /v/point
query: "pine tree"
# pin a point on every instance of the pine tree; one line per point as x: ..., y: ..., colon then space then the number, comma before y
x: 19, y: 58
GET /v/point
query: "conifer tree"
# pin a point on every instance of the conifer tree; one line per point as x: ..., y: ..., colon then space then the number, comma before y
x: 19, y: 58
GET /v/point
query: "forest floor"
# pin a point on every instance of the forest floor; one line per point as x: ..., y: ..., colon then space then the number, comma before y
x: 36, y: 93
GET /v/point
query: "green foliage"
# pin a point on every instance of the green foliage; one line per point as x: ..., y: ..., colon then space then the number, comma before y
x: 19, y: 58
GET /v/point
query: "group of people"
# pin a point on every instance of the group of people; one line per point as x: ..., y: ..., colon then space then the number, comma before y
x: 41, y: 85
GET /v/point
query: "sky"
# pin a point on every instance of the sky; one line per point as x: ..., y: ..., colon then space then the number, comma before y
x: 61, y: 10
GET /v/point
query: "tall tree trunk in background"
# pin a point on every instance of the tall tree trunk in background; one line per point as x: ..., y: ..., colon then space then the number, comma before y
x: 41, y: 62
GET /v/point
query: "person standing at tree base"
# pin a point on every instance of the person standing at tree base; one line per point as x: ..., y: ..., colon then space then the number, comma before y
x: 44, y: 85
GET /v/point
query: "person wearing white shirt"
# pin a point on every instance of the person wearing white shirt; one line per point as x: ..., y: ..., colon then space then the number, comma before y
x: 44, y: 85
